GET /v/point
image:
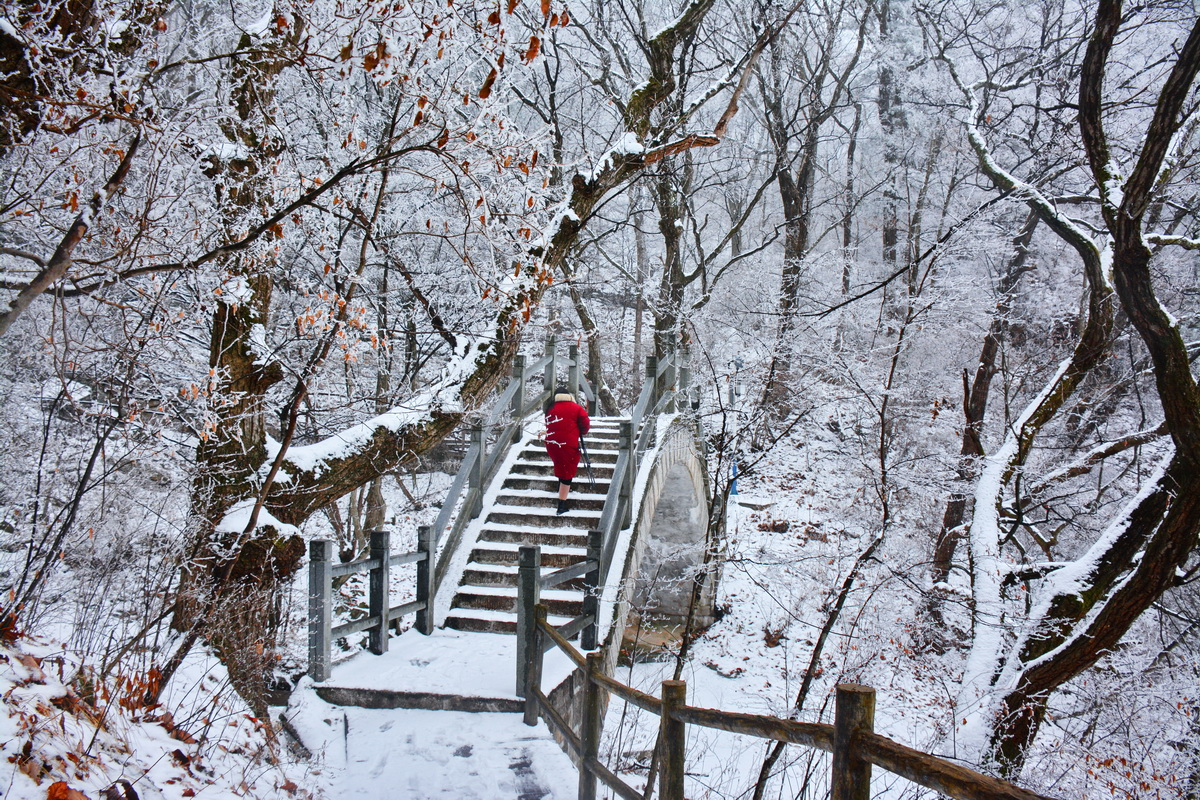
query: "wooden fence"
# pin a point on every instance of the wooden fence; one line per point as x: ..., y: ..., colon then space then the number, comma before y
x: 380, y: 613
x: 855, y: 747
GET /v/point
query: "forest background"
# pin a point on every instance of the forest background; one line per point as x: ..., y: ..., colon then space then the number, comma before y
x: 933, y: 264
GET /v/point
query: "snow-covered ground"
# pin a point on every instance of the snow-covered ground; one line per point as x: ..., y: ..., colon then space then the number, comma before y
x: 406, y: 754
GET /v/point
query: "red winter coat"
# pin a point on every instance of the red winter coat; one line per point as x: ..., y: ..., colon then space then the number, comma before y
x: 566, y: 421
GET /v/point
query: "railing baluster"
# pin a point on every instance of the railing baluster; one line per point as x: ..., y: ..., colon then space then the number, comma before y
x: 377, y: 597
x: 671, y: 740
x: 573, y: 370
x: 589, y: 730
x: 591, y: 591
x: 551, y: 373
x: 536, y: 654
x: 475, y: 478
x: 518, y: 377
x: 626, y: 445
x: 652, y: 376
x: 670, y: 378
x: 427, y: 545
x: 854, y: 712
x: 685, y: 388
x: 320, y: 612
x: 529, y: 567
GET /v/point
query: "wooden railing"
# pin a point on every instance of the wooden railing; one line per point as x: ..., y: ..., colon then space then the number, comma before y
x: 531, y: 582
x: 380, y: 612
x: 850, y: 739
x: 479, y: 466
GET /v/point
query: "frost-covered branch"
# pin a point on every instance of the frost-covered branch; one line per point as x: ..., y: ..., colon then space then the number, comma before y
x: 1095, y: 456
x: 1174, y: 241
x: 58, y: 264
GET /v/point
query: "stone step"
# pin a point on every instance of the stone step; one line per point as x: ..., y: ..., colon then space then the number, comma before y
x: 538, y: 455
x: 495, y: 622
x: 603, y: 472
x: 573, y: 519
x: 560, y: 606
x: 475, y: 625
x: 485, y: 576
x: 386, y: 698
x: 511, y: 557
x: 488, y: 577
x: 581, y: 486
x: 576, y: 538
x: 580, y: 501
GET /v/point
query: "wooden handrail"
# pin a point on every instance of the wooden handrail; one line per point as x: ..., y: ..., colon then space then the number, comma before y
x: 953, y: 780
x: 381, y: 613
x: 565, y: 574
x: 556, y: 637
x: 644, y: 701
x: 817, y: 735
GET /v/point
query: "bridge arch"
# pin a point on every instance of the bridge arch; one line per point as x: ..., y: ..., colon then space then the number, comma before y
x: 669, y: 539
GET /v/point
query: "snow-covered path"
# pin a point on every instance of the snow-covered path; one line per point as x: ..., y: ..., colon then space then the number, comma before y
x: 414, y: 754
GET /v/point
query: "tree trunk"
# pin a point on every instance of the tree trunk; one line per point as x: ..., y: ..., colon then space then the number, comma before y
x: 975, y: 399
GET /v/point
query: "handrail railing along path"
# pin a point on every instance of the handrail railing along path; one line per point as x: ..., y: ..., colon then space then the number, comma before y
x: 850, y: 739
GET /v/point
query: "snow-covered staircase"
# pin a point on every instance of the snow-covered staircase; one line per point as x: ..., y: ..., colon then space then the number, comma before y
x: 523, y: 513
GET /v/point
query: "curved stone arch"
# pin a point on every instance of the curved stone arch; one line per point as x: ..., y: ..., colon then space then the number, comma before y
x: 668, y: 540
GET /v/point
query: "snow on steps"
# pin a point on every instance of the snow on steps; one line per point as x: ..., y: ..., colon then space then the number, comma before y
x: 524, y: 513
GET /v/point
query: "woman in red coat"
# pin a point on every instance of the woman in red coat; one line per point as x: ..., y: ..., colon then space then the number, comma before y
x: 566, y: 422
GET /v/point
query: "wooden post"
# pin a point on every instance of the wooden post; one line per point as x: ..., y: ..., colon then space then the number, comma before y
x: 671, y: 740
x: 475, y: 476
x: 652, y: 376
x: 671, y: 379
x: 626, y: 445
x: 377, y: 597
x: 685, y: 388
x: 529, y: 569
x: 855, y: 711
x: 655, y: 396
x: 428, y: 545
x: 534, y: 673
x: 320, y: 608
x: 589, y: 730
x: 591, y: 591
x: 573, y: 371
x: 551, y: 373
x: 518, y: 377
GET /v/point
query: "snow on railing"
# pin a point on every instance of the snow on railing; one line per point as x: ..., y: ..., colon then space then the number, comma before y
x: 664, y: 380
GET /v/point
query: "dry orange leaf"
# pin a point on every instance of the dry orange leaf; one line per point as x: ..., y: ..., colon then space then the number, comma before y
x: 486, y: 89
x: 59, y: 790
x: 535, y: 47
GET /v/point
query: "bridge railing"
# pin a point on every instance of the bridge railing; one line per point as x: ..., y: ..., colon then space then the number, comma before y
x: 531, y: 384
x: 531, y: 582
x: 664, y: 379
x: 850, y: 739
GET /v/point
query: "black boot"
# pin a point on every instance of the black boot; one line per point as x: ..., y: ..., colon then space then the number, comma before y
x: 563, y: 507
